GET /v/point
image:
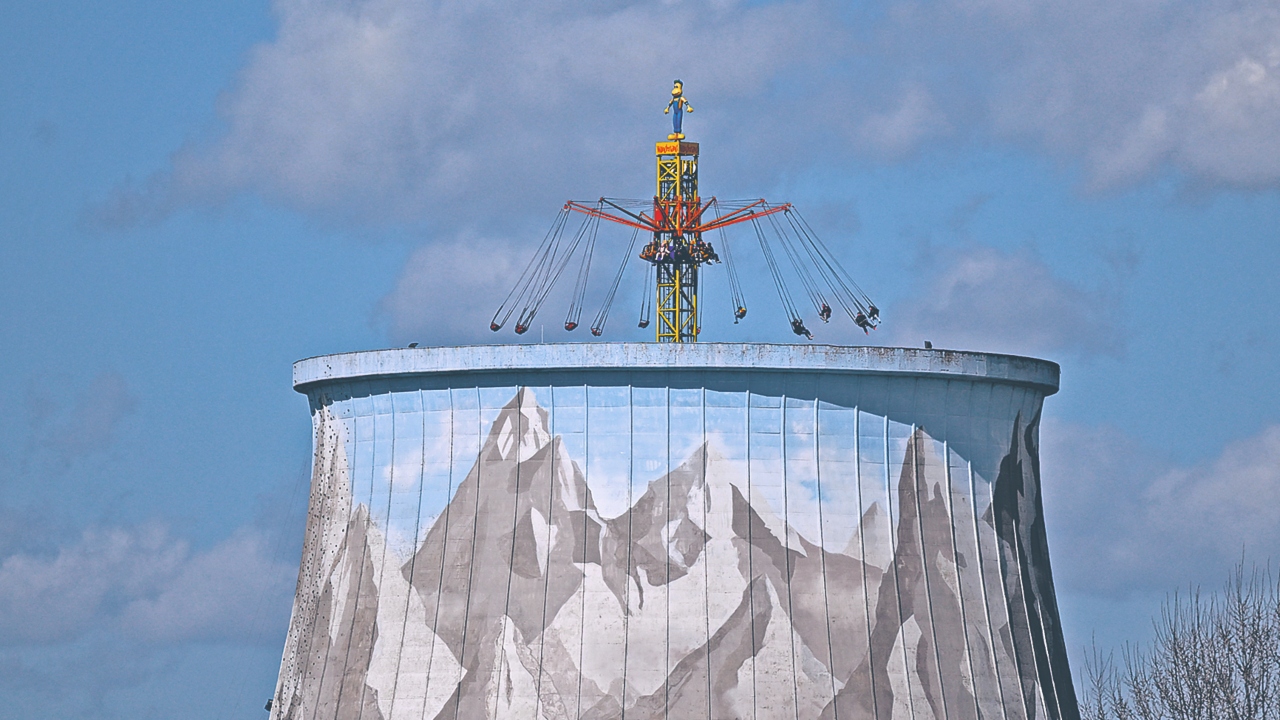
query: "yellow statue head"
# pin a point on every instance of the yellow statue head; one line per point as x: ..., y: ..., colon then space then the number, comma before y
x: 678, y: 90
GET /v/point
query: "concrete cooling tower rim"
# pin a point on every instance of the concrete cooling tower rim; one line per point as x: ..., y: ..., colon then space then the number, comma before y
x: 589, y: 357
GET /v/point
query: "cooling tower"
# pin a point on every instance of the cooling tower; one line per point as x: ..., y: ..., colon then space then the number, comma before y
x: 675, y: 531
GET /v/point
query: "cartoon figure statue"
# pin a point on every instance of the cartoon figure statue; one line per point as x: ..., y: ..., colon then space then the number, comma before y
x: 681, y: 106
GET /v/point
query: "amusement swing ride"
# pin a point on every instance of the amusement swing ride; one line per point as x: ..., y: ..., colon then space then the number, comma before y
x: 675, y: 223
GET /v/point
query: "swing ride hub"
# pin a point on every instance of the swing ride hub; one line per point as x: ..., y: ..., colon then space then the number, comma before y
x: 675, y: 223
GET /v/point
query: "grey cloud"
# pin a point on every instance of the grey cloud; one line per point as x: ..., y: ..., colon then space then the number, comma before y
x: 391, y: 109
x: 96, y: 416
x: 47, y: 599
x: 1127, y: 519
x: 234, y: 590
x: 141, y: 581
x: 86, y: 425
x: 437, y: 298
x: 376, y: 110
x: 983, y: 297
x: 1130, y: 87
x: 914, y: 117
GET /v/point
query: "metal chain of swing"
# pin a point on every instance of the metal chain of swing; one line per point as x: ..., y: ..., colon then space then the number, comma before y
x: 823, y: 279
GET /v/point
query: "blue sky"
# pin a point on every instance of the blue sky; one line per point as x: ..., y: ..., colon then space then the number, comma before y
x: 195, y: 195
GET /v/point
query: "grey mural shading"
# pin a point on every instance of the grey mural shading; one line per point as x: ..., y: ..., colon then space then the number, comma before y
x: 1018, y: 512
x: 624, y: 550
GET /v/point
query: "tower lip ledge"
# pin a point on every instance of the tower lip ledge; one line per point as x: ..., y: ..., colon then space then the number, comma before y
x: 773, y: 357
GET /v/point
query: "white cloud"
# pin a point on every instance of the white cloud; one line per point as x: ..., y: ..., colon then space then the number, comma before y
x: 1233, y: 118
x: 1130, y: 87
x: 400, y: 109
x: 914, y: 118
x: 45, y: 599
x: 981, y: 297
x: 463, y: 114
x: 234, y: 590
x: 444, y: 294
x: 145, y: 583
x: 1124, y: 519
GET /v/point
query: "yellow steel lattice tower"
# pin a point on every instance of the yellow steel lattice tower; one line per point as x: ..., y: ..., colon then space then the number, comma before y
x: 679, y: 210
x: 677, y: 250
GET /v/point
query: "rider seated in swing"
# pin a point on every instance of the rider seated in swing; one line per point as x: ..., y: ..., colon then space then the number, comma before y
x: 708, y: 252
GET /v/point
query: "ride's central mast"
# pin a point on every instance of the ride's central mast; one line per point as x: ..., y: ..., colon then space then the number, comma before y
x: 678, y: 249
x: 675, y: 224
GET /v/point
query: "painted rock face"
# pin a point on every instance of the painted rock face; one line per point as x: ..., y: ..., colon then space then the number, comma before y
x: 724, y: 542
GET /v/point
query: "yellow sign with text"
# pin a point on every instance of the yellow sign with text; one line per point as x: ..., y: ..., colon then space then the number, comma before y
x: 676, y: 148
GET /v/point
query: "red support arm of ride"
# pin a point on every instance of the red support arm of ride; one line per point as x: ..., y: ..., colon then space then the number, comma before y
x: 641, y: 222
x: 743, y: 214
x: 635, y: 221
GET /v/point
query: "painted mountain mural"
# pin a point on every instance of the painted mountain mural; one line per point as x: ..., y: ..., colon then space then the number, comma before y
x: 521, y: 599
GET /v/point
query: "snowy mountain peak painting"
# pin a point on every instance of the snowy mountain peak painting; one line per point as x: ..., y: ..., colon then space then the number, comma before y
x: 657, y: 552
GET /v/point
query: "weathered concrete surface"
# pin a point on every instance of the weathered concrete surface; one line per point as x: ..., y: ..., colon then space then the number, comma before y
x: 835, y: 533
x: 635, y: 356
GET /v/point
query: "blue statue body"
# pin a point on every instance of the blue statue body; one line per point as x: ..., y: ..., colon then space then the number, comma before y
x: 681, y: 106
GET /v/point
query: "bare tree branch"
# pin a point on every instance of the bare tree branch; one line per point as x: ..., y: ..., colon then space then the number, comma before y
x: 1215, y: 658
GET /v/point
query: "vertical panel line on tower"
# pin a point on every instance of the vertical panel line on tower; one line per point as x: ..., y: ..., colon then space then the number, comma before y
x: 751, y: 572
x: 517, y: 442
x: 1005, y: 574
x: 586, y: 493
x: 706, y: 536
x: 546, y: 565
x: 355, y: 606
x: 444, y: 545
x: 986, y: 603
x: 897, y: 585
x: 666, y: 655
x: 918, y: 478
x: 786, y: 555
x: 626, y: 605
x: 822, y: 550
x: 862, y: 560
x: 475, y: 529
x: 955, y: 558
x: 381, y: 569
x: 318, y: 544
x: 413, y: 557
